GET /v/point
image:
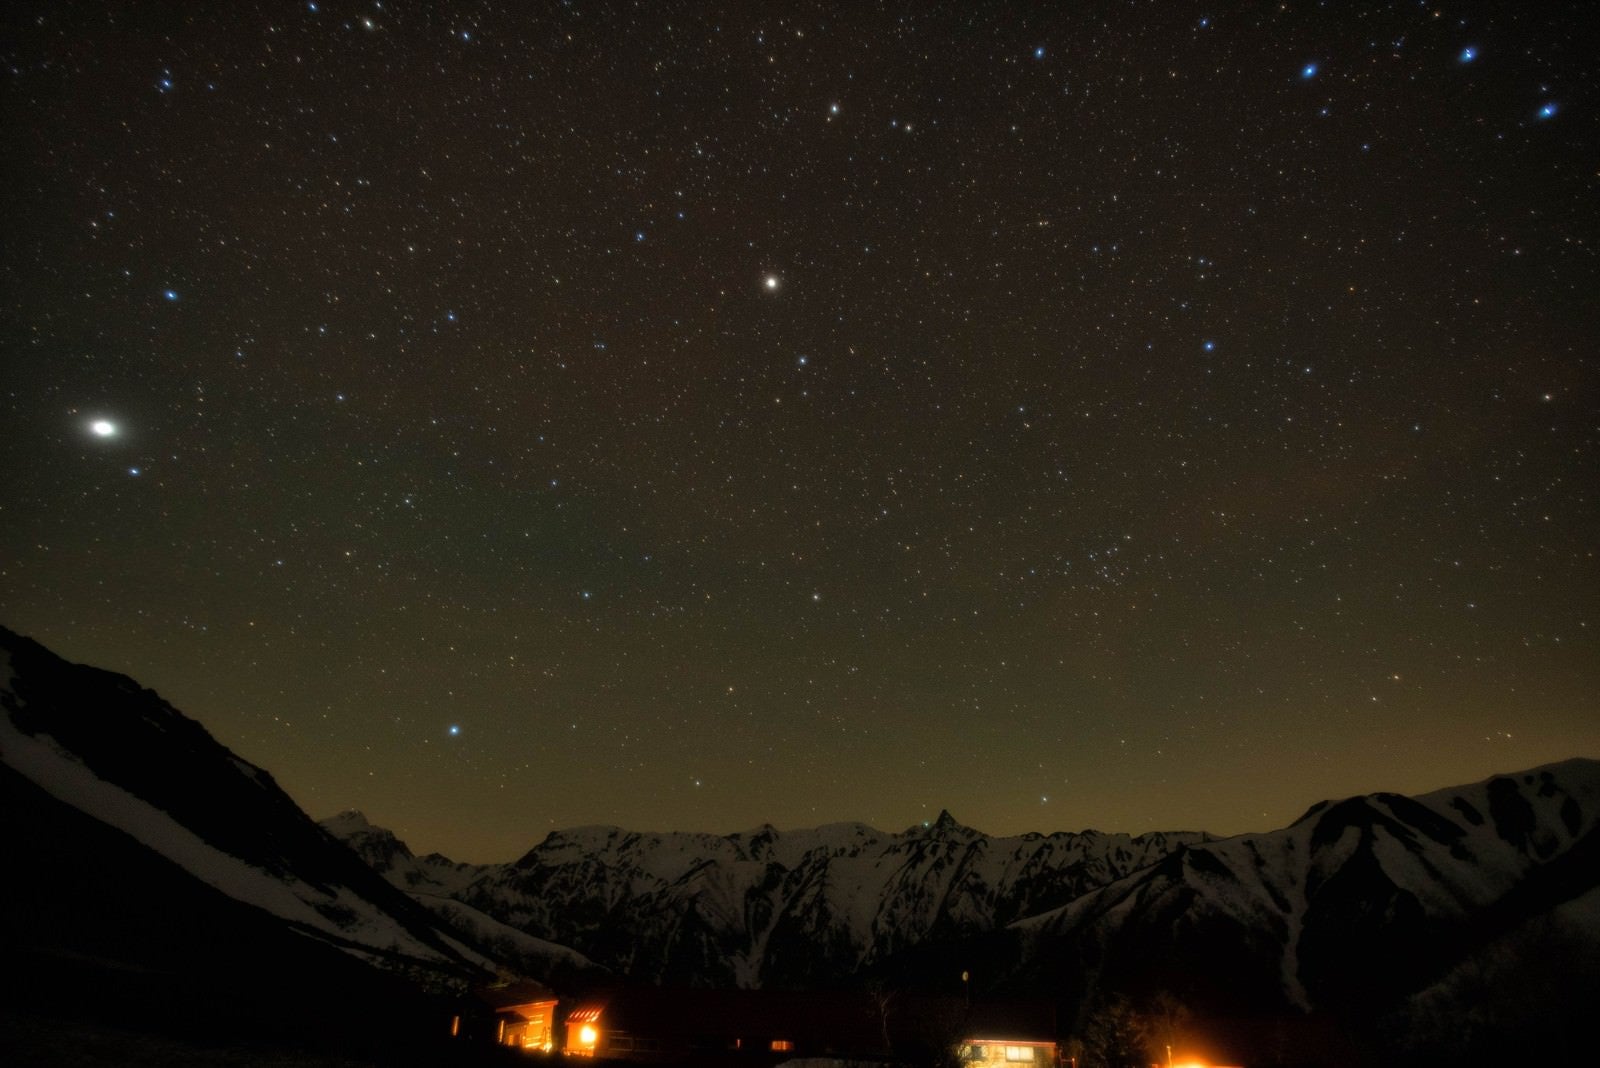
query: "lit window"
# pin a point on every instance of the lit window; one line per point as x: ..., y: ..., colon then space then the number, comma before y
x: 782, y: 1044
x: 1019, y: 1054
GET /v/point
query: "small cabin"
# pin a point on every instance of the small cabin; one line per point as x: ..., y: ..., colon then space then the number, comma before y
x: 1007, y: 1052
x: 518, y: 1013
x: 1006, y: 1034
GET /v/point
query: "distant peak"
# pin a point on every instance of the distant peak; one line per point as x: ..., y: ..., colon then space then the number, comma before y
x: 944, y: 824
x: 350, y: 820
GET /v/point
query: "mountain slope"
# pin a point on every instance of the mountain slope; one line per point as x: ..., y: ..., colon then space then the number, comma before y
x: 431, y: 881
x: 1356, y: 904
x: 97, y: 741
x: 148, y: 860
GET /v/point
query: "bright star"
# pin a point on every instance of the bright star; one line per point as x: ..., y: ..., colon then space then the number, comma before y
x: 1548, y: 111
x: 1038, y: 53
x: 771, y: 282
x: 1308, y: 71
x: 455, y: 729
x: 1209, y: 346
x: 171, y: 294
x: 103, y: 428
x: 1468, y: 54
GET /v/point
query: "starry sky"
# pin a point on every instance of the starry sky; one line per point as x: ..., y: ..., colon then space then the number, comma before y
x: 508, y: 416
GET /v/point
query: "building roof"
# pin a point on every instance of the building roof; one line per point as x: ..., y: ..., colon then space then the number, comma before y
x: 506, y: 995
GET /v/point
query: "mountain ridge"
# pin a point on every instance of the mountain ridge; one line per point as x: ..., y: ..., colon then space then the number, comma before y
x: 775, y: 907
x: 1370, y: 878
x: 844, y: 901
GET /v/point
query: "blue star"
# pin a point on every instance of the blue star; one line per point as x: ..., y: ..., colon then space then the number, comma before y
x: 638, y: 235
x: 171, y: 295
x: 134, y: 471
x: 1549, y: 110
x: 1209, y: 346
x: 455, y: 730
x: 1468, y: 54
x: 1038, y: 53
x: 1308, y: 71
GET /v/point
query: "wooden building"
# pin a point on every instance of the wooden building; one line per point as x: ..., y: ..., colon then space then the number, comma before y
x: 518, y: 1013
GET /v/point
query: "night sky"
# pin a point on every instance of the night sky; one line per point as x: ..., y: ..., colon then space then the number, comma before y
x: 508, y: 416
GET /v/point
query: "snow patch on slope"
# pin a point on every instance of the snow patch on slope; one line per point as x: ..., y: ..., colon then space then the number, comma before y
x: 58, y: 773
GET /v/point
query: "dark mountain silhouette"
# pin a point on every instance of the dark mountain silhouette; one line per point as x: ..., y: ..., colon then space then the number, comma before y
x: 156, y: 881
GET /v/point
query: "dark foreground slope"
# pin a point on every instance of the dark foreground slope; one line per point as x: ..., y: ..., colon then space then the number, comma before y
x: 157, y: 884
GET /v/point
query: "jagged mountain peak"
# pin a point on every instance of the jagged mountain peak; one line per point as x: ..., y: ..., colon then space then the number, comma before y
x: 945, y: 823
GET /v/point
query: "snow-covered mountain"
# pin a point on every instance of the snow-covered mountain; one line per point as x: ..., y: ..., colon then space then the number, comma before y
x: 389, y: 857
x: 1358, y: 903
x: 434, y: 881
x: 77, y: 742
x: 767, y: 907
